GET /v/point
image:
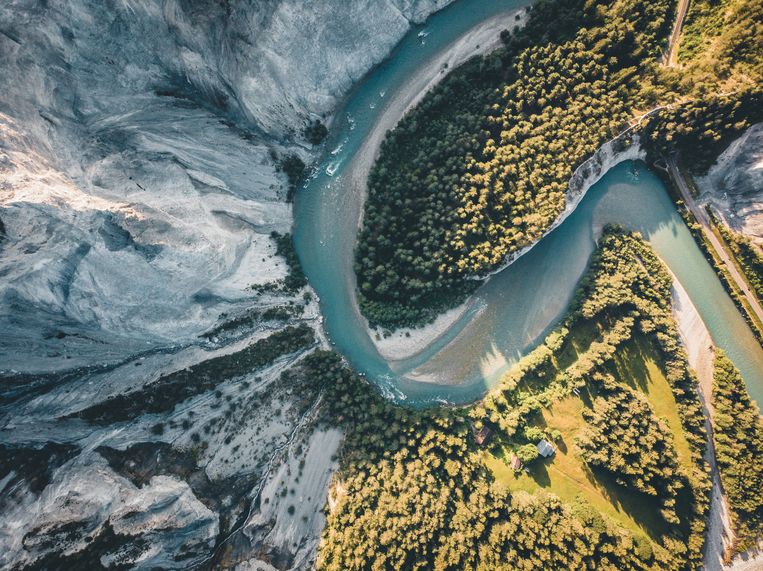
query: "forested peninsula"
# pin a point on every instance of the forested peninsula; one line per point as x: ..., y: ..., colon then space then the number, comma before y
x: 542, y: 473
x: 479, y: 169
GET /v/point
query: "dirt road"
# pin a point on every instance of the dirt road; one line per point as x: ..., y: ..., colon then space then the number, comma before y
x: 704, y: 221
x: 670, y: 55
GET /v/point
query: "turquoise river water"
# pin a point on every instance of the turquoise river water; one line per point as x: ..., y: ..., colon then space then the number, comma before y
x: 514, y: 309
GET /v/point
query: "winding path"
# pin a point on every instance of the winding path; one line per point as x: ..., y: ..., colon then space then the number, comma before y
x: 670, y: 55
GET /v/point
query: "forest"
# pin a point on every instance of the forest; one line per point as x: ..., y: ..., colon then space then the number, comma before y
x: 295, y: 279
x: 738, y: 433
x: 748, y: 254
x: 452, y: 194
x: 627, y: 439
x: 415, y: 489
x: 480, y: 168
x: 702, y: 129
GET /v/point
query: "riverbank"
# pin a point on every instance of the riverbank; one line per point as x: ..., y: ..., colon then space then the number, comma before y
x: 481, y: 39
x: 407, y: 342
x: 581, y: 181
x: 719, y: 254
x: 699, y: 348
x: 404, y: 343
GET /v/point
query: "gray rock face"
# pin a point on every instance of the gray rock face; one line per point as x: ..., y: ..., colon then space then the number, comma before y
x: 138, y: 191
x: 156, y: 122
x: 85, y: 499
x: 734, y: 185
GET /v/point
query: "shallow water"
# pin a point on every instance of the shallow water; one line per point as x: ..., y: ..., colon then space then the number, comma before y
x: 513, y: 310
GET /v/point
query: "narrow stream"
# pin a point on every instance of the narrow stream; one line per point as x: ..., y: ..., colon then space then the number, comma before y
x: 513, y: 310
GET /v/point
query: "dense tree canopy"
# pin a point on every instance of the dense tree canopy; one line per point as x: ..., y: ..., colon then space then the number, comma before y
x: 739, y: 450
x: 627, y: 439
x: 412, y: 494
x: 480, y: 168
x: 477, y: 171
x: 702, y: 128
x: 413, y: 491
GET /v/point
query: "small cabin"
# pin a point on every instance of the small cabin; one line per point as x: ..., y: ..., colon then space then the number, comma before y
x: 545, y: 448
x: 481, y: 435
x: 516, y: 463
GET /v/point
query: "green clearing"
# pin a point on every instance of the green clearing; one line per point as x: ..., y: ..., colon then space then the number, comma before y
x: 566, y: 474
x: 638, y: 365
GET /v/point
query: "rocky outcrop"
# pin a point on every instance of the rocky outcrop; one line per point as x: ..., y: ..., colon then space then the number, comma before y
x: 734, y: 185
x: 88, y: 504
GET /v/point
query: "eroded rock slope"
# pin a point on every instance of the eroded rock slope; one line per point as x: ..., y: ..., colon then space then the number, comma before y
x: 734, y: 184
x: 147, y: 414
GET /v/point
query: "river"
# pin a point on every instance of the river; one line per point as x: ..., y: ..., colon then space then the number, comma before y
x: 514, y: 309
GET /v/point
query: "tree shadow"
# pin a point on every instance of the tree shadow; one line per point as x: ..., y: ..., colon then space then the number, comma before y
x: 643, y: 508
x: 629, y: 364
x: 539, y: 472
x: 585, y: 332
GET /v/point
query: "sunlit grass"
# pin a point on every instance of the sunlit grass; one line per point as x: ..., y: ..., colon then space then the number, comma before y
x: 637, y: 364
x: 566, y: 474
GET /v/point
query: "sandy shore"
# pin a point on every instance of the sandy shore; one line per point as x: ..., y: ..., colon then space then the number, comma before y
x: 748, y: 561
x: 696, y: 339
x: 405, y: 343
x: 483, y: 38
x: 699, y: 347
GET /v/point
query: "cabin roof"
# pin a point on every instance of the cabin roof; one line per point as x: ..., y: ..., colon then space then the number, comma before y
x: 481, y: 435
x: 545, y: 448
